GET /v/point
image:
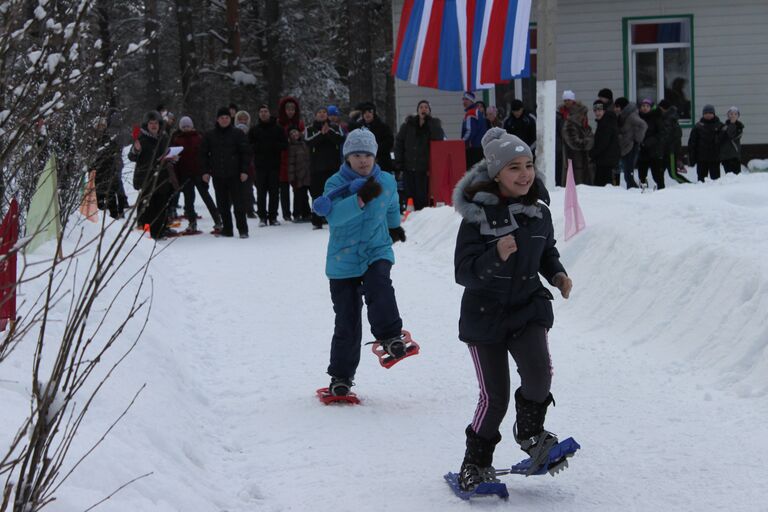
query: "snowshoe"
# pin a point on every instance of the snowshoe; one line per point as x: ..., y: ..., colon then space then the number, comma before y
x: 552, y: 462
x: 538, y: 448
x: 338, y: 391
x: 394, y: 350
x: 488, y: 487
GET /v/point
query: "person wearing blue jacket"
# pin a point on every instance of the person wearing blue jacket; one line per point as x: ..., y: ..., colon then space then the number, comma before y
x: 506, y: 240
x: 472, y: 128
x: 361, y: 205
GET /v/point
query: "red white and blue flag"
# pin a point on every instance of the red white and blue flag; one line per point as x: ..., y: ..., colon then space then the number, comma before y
x: 462, y: 45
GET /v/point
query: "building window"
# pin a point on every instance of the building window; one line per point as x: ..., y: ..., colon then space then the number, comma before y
x: 658, y: 61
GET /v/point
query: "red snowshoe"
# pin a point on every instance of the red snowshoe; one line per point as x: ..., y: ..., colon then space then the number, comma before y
x: 327, y: 398
x: 391, y: 352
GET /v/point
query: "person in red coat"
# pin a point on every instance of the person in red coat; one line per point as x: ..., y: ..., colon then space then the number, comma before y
x: 190, y: 174
x: 288, y: 116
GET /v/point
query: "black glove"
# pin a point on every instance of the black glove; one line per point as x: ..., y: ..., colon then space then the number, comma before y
x: 370, y: 191
x: 397, y: 234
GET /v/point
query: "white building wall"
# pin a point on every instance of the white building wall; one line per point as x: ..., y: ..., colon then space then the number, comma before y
x: 730, y: 49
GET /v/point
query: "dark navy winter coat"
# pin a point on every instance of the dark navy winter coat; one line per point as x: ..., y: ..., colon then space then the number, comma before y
x: 501, y: 297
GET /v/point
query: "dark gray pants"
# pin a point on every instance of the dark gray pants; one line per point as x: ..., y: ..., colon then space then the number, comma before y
x: 530, y: 351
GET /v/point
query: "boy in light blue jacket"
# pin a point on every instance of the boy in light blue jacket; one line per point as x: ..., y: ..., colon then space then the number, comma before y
x: 361, y: 205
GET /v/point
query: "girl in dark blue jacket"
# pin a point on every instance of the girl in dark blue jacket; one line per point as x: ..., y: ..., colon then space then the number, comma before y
x: 505, y: 241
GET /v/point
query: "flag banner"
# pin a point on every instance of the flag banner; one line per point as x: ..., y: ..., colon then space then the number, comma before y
x: 462, y: 45
x: 43, y: 222
x: 89, y: 206
x: 574, y: 219
x: 9, y: 235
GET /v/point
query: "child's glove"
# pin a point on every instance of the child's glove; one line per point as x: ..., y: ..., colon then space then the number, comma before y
x: 369, y: 191
x: 357, y: 184
x: 563, y: 283
x: 397, y: 234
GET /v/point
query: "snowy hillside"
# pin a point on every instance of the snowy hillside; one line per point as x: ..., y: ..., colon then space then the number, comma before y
x: 660, y: 356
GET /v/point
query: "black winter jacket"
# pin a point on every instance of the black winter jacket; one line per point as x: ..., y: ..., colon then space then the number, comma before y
x: 413, y: 141
x: 384, y: 138
x: 730, y: 140
x: 703, y: 143
x: 606, y: 151
x: 653, y: 148
x: 152, y: 149
x: 501, y: 298
x: 224, y: 152
x: 523, y: 127
x: 671, y: 134
x: 324, y: 149
x: 267, y: 143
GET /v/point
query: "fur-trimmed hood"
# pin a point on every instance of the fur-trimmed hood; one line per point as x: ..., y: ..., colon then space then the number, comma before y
x: 472, y: 210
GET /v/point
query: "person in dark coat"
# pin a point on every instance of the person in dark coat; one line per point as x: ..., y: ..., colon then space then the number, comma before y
x: 325, y: 141
x: 651, y: 153
x: 288, y: 116
x: 412, y: 147
x: 605, y: 152
x: 672, y: 141
x: 521, y: 124
x: 703, y: 146
x: 108, y: 165
x: 631, y: 135
x: 190, y: 174
x: 224, y: 155
x: 268, y: 142
x: 370, y: 120
x: 578, y: 139
x: 505, y: 241
x: 730, y: 142
x: 153, y: 176
x: 300, y: 175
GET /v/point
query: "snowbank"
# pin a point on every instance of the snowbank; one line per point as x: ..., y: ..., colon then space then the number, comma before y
x: 660, y: 362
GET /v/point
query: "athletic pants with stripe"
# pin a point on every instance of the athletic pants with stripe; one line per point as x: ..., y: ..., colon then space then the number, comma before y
x: 531, y: 354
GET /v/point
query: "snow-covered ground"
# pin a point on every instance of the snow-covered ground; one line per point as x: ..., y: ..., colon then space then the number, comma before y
x: 660, y: 355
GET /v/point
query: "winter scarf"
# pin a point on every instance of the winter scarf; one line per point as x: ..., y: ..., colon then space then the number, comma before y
x: 354, y: 182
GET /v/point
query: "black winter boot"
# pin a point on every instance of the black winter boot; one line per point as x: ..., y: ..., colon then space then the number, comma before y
x: 529, y: 430
x: 395, y: 347
x: 340, y: 386
x: 478, y: 458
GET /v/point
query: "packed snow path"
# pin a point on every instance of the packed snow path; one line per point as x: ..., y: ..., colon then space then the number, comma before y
x: 659, y: 356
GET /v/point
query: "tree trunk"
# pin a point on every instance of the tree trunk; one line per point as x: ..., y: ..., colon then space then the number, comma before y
x: 191, y: 100
x: 271, y: 55
x: 233, y: 25
x: 152, y: 60
x: 360, y: 76
x: 102, y: 12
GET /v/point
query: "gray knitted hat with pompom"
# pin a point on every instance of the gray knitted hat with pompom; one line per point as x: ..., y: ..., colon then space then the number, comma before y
x: 500, y: 147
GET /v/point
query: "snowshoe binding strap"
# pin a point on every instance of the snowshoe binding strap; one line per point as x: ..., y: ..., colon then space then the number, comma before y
x: 538, y: 447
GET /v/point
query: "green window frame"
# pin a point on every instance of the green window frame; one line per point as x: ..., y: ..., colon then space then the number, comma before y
x: 653, y: 67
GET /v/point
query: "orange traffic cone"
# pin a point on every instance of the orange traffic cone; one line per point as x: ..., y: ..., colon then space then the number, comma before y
x: 408, y: 209
x: 89, y: 205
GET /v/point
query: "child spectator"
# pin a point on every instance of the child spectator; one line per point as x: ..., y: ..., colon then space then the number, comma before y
x: 299, y: 174
x: 730, y: 142
x: 703, y: 147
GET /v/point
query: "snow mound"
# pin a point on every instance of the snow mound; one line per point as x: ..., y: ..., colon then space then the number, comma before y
x: 678, y: 273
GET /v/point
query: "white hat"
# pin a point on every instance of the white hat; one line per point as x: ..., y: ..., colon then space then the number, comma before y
x: 569, y: 95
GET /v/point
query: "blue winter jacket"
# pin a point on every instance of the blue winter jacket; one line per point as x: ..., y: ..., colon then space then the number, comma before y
x: 360, y: 236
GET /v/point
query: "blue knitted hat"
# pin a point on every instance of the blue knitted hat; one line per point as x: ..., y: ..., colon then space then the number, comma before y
x: 360, y: 141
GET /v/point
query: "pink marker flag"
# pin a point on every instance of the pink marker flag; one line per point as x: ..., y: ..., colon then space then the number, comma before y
x: 574, y: 219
